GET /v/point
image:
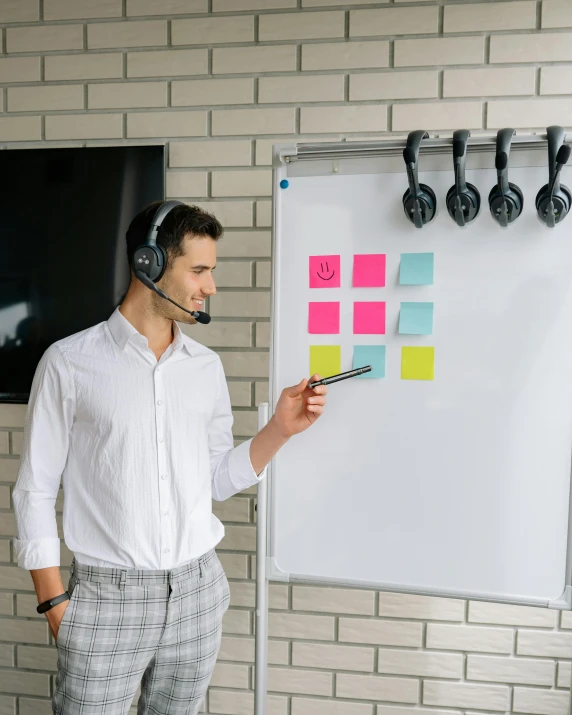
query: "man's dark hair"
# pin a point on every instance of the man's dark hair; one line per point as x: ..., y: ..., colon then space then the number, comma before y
x: 179, y: 222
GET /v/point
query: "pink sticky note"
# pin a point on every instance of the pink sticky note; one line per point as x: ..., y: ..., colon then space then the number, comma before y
x: 324, y: 318
x: 369, y: 270
x: 369, y: 318
x: 324, y: 271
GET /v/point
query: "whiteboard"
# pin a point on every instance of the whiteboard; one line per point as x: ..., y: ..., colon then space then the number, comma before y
x: 459, y: 486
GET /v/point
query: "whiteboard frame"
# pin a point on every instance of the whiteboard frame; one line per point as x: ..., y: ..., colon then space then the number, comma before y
x: 332, y: 153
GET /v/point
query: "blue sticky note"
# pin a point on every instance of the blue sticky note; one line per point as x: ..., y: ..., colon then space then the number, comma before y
x: 416, y: 319
x: 373, y: 355
x: 416, y: 269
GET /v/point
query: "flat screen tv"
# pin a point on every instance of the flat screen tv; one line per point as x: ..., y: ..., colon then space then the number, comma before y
x: 63, y: 264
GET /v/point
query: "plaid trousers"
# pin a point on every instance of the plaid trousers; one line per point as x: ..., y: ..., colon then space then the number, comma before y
x: 124, y: 627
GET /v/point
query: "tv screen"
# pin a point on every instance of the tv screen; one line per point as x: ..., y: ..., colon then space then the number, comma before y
x: 63, y: 254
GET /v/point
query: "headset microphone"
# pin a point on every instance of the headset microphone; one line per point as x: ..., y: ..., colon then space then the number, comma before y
x: 198, y: 315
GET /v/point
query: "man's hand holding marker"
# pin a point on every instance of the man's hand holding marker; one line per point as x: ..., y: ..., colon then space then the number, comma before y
x: 300, y: 406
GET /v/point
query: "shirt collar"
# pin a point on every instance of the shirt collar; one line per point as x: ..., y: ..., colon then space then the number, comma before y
x: 122, y: 331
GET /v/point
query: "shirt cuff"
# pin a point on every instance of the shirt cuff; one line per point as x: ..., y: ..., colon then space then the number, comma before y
x: 37, y: 553
x: 240, y: 468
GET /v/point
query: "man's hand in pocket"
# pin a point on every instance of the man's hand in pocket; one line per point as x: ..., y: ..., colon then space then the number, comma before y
x: 55, y: 615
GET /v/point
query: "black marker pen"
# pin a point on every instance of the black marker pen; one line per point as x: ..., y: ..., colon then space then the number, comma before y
x: 341, y: 376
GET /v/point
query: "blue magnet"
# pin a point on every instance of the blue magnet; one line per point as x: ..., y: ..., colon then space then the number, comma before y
x: 284, y: 184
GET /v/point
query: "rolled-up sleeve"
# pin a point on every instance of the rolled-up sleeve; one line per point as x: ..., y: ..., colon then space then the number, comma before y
x: 49, y: 419
x: 231, y: 468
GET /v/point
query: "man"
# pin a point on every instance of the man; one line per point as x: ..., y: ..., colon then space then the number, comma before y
x: 137, y: 417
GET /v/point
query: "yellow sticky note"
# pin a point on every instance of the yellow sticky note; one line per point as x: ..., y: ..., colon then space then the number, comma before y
x: 325, y: 360
x: 417, y: 363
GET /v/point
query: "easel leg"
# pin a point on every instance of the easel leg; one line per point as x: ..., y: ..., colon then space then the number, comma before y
x: 261, y: 637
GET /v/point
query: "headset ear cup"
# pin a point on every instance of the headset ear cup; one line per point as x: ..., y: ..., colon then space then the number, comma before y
x: 159, y: 265
x: 430, y: 201
x: 541, y: 202
x: 562, y: 199
x: 427, y: 201
x: 568, y: 194
x: 495, y: 202
x: 406, y: 201
x: 493, y: 195
x: 405, y: 198
x: 475, y: 199
x: 542, y: 194
x: 518, y: 198
x: 157, y: 261
x: 563, y: 196
x: 409, y: 203
x: 514, y: 198
x: 160, y: 269
x: 449, y: 201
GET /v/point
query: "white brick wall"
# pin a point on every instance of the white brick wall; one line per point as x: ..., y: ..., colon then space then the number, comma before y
x: 220, y: 81
x: 144, y: 33
x: 520, y: 15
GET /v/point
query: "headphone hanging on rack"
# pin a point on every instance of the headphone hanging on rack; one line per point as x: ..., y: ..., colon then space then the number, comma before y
x: 419, y: 201
x: 553, y: 201
x: 505, y: 199
x: 463, y: 199
x: 150, y: 260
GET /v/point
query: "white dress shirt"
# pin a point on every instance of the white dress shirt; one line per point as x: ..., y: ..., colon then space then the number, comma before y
x: 143, y: 446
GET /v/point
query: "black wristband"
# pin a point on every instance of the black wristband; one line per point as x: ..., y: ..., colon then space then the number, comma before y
x: 46, y: 605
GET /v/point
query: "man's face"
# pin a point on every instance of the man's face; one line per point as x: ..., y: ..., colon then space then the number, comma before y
x: 189, y: 280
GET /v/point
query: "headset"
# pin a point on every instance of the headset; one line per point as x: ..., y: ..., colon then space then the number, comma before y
x: 505, y: 199
x: 463, y: 199
x: 419, y: 201
x: 554, y: 199
x: 150, y: 259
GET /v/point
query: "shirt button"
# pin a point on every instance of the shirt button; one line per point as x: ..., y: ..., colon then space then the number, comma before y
x: 166, y: 550
x: 166, y: 513
x: 159, y: 402
x: 161, y: 439
x: 163, y: 476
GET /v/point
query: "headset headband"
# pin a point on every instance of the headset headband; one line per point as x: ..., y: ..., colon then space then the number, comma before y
x: 157, y: 220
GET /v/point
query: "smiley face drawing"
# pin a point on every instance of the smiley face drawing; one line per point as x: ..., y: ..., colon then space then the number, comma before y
x: 325, y: 271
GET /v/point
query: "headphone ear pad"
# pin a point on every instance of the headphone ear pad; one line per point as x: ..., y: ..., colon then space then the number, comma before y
x: 542, y: 194
x: 475, y: 198
x: 518, y: 197
x: 427, y: 199
x: 405, y: 198
x: 472, y: 194
x: 430, y: 201
x: 157, y: 261
x: 409, y: 203
x: 160, y: 265
x: 494, y: 193
x: 513, y: 195
x: 568, y: 194
x: 495, y: 203
x: 450, y: 201
x: 562, y: 199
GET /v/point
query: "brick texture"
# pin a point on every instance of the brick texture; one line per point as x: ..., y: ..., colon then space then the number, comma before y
x: 219, y: 82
